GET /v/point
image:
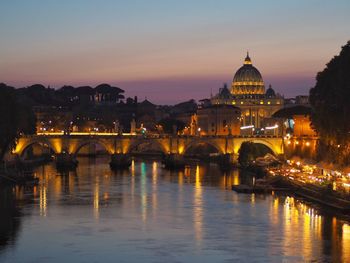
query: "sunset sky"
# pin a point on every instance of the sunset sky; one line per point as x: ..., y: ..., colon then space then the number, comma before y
x: 168, y: 51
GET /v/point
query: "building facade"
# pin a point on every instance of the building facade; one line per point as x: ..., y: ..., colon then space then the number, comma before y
x: 218, y: 120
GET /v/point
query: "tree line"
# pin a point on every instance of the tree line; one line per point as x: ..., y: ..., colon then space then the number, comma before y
x: 16, y: 118
x: 330, y: 101
x: 38, y: 94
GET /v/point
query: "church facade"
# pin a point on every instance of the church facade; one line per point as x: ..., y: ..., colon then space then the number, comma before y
x: 248, y: 92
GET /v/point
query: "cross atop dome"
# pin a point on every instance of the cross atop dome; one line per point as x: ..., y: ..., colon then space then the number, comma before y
x: 247, y: 60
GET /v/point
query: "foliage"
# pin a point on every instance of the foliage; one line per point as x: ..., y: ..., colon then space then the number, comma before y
x: 39, y: 95
x: 170, y: 125
x: 15, y: 119
x: 66, y: 95
x: 330, y: 99
x: 249, y: 151
x: 110, y: 93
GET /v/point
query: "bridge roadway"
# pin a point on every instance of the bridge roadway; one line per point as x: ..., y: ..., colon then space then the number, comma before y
x: 124, y: 144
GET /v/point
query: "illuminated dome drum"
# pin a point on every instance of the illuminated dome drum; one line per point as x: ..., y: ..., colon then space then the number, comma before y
x: 247, y: 80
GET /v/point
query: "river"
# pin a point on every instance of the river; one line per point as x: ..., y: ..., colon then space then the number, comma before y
x: 149, y: 214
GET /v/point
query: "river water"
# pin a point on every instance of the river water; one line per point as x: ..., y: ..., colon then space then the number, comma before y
x: 149, y: 214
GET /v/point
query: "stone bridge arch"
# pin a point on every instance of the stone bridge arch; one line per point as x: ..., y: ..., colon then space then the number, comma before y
x: 199, y: 142
x: 151, y: 143
x: 25, y: 142
x: 274, y: 144
x: 75, y: 147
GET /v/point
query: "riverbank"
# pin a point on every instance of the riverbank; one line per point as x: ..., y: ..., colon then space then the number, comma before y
x: 18, y: 178
x: 323, y: 196
x: 318, y: 194
x: 20, y: 172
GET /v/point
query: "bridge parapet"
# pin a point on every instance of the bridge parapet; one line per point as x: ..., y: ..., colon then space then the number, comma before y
x: 151, y: 136
x: 115, y: 144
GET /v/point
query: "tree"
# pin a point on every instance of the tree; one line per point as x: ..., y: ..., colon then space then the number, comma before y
x: 246, y: 154
x: 109, y: 93
x: 169, y: 124
x: 14, y: 119
x: 249, y: 151
x: 40, y: 95
x: 330, y: 99
x: 65, y: 95
x: 8, y: 119
x: 85, y: 94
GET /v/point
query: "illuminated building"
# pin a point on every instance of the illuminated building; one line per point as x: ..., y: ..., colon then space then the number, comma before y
x: 302, y: 126
x: 248, y: 93
x: 297, y: 120
x: 219, y: 120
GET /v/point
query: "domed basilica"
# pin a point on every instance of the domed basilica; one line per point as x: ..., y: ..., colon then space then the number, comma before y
x: 248, y: 93
x: 247, y: 79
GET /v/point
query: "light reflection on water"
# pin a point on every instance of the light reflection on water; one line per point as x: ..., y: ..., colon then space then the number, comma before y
x: 150, y: 214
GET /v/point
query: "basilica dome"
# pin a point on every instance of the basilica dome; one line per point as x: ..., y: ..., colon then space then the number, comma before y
x: 247, y: 80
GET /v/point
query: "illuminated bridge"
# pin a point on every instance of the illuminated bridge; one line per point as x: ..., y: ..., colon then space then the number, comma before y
x: 126, y: 144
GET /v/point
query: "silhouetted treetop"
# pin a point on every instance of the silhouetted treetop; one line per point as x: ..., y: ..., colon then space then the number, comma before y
x: 106, y: 88
x: 15, y: 118
x: 109, y: 93
x: 330, y: 99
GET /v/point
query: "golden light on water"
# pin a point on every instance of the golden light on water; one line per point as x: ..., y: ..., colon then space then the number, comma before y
x: 180, y: 181
x: 198, y: 207
x: 275, y: 211
x: 252, y: 199
x: 132, y: 179
x: 198, y: 180
x: 306, y: 234
x: 187, y: 171
x: 97, y: 198
x: 346, y: 242
x: 19, y: 192
x: 236, y: 178
x: 133, y: 167
x: 58, y: 187
x: 143, y: 195
x: 154, y: 187
x: 154, y: 167
x: 43, y: 199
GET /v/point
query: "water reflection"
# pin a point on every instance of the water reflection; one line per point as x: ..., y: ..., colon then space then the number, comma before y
x: 9, y: 215
x: 198, y: 207
x: 346, y: 242
x: 148, y: 214
x: 43, y: 199
x: 96, y: 198
x: 154, y: 187
x: 143, y: 191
